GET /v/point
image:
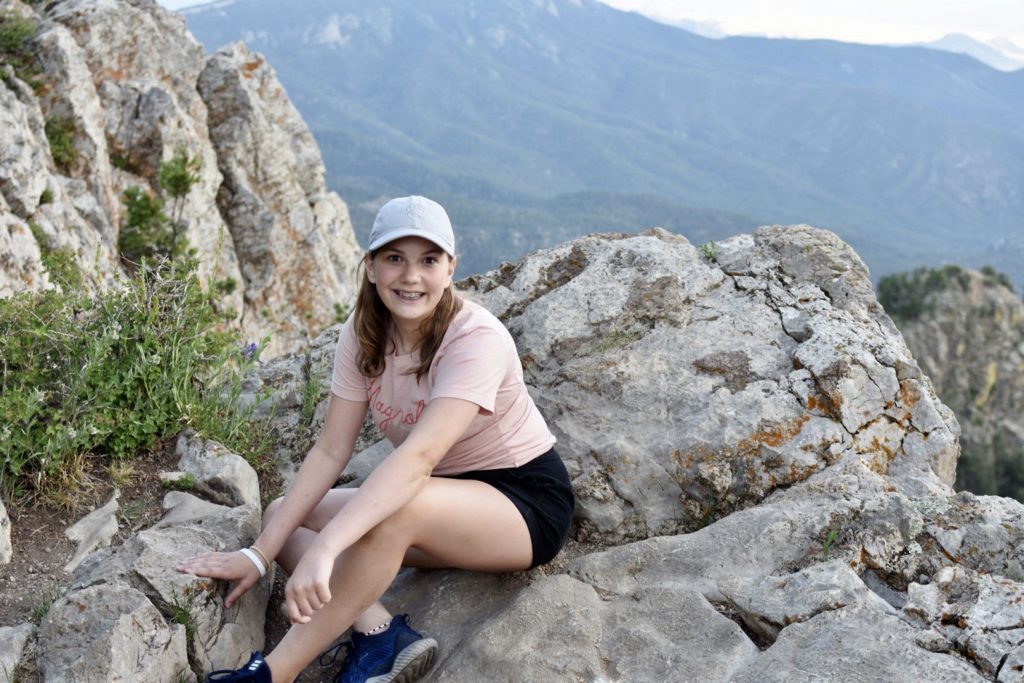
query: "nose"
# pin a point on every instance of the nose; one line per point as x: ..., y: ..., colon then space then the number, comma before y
x: 410, y: 273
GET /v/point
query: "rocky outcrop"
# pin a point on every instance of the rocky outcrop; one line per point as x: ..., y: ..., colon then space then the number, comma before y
x: 764, y: 479
x: 295, y: 235
x: 129, y: 615
x: 969, y: 338
x: 738, y: 377
x: 130, y: 89
x: 754, y: 449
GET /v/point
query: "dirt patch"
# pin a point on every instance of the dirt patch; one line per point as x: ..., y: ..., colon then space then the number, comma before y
x: 35, y: 577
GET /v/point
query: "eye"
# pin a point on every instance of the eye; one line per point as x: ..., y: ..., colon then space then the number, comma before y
x: 393, y: 258
x: 430, y: 260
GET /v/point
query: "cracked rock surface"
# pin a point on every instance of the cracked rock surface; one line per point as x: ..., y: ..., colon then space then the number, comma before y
x: 756, y: 454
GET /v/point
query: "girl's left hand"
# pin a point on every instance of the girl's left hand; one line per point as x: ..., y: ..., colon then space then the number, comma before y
x: 308, y: 589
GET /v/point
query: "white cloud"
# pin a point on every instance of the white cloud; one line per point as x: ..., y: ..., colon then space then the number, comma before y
x: 869, y: 21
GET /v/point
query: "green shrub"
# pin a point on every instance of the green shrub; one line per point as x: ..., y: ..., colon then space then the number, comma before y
x: 46, y: 196
x: 904, y: 295
x: 994, y: 277
x: 16, y: 33
x: 60, y: 263
x: 145, y: 234
x: 709, y: 250
x: 148, y: 232
x: 113, y: 375
x: 60, y: 132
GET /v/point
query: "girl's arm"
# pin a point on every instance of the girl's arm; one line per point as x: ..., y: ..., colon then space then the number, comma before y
x: 391, y: 486
x: 319, y: 471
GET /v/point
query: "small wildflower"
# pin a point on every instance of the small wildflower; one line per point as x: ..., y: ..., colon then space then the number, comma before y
x: 249, y: 350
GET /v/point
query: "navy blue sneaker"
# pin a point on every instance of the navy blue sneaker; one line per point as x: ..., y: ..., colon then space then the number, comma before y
x: 255, y: 670
x: 399, y: 655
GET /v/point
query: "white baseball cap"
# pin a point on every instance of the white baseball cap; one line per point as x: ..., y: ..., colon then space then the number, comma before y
x: 413, y: 216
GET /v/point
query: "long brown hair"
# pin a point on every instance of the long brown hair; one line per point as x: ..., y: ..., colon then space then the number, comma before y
x: 371, y: 326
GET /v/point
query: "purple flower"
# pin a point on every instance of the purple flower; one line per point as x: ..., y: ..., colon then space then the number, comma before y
x: 249, y: 350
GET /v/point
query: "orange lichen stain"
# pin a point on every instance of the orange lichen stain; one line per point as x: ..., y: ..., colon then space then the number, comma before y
x: 774, y: 437
x: 879, y: 445
x: 909, y: 395
x: 878, y: 466
x: 249, y: 67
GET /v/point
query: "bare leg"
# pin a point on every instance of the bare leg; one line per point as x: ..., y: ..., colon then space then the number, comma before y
x: 300, y: 540
x: 456, y: 523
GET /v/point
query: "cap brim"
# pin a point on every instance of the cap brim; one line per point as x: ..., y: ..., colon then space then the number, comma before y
x: 409, y: 232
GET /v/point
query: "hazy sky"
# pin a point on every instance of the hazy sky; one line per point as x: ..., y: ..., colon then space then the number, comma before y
x: 865, y: 21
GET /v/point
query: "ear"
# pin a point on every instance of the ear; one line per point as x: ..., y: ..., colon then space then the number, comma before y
x: 370, y: 273
x: 452, y: 261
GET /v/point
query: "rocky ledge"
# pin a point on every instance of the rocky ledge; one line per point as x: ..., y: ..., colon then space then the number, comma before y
x: 763, y: 476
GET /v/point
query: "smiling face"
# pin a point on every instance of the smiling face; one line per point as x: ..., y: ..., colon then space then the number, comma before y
x: 410, y: 275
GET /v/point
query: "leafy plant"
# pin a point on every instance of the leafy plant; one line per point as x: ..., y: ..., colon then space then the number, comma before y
x: 114, y: 374
x: 46, y: 197
x: 830, y: 540
x: 59, y: 262
x: 182, y: 606
x: 148, y: 232
x: 176, y: 177
x: 709, y: 250
x: 341, y: 312
x: 16, y: 34
x: 186, y: 482
x: 993, y: 276
x: 60, y: 132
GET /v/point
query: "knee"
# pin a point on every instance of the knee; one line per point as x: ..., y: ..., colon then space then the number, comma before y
x: 271, y: 510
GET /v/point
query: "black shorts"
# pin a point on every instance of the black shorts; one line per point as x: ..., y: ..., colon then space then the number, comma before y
x: 542, y: 492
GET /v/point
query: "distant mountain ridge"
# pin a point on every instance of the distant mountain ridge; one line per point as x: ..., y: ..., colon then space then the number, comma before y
x: 914, y: 156
x: 1003, y: 55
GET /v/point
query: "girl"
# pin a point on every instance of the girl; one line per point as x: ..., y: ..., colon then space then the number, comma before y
x: 473, y: 481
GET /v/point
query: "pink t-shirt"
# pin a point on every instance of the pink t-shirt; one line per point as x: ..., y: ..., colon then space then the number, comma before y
x: 478, y: 362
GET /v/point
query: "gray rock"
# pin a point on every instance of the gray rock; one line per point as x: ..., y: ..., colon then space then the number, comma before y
x: 725, y: 405
x: 183, y: 508
x: 221, y: 475
x: 977, y: 613
x: 147, y: 562
x: 769, y: 604
x: 12, y: 643
x: 6, y: 549
x: 110, y: 632
x: 853, y: 644
x: 1013, y: 667
x: 560, y: 629
x: 93, y: 531
x: 293, y: 236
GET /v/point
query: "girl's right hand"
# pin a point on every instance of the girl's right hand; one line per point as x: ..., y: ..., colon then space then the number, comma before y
x: 234, y: 567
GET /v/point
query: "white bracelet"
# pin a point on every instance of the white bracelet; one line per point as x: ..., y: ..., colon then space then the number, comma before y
x: 255, y: 560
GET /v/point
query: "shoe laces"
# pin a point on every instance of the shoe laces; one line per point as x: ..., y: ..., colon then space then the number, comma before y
x: 345, y: 646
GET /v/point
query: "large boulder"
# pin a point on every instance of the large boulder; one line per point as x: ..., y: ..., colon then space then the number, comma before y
x: 111, y: 632
x: 682, y: 388
x: 293, y: 236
